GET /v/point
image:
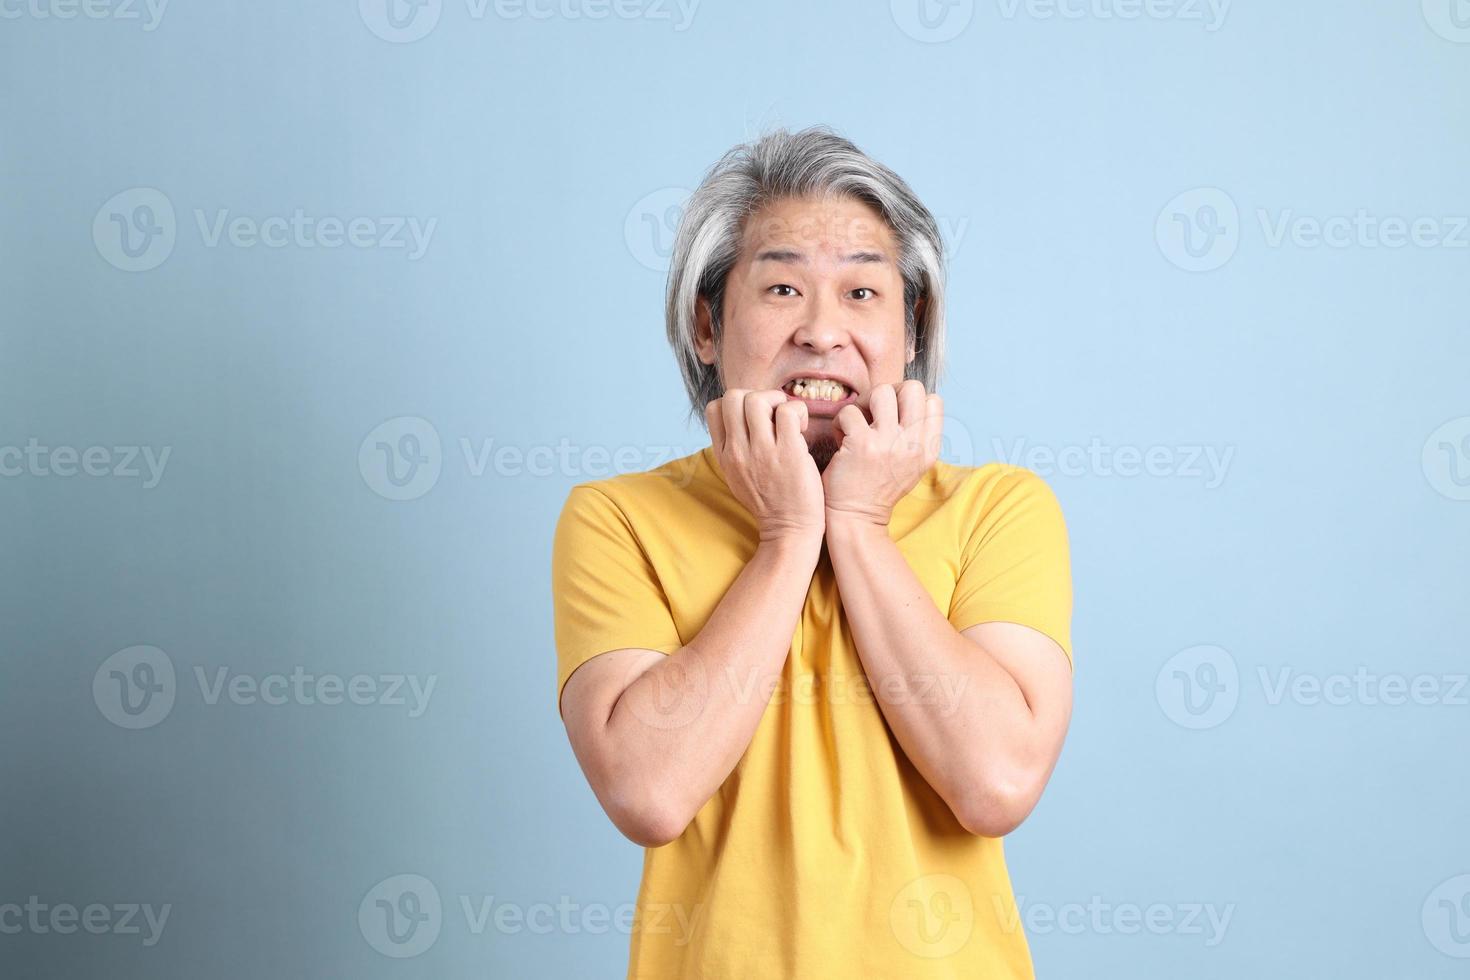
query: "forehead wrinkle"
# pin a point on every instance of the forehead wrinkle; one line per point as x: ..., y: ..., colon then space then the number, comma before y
x: 793, y: 257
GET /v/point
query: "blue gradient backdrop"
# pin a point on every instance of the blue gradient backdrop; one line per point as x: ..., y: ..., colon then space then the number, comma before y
x: 310, y: 315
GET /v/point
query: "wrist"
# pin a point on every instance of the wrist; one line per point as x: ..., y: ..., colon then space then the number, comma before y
x: 846, y: 524
x: 793, y: 542
x: 857, y: 519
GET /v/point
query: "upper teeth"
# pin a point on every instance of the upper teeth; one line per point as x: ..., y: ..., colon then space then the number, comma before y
x: 819, y: 389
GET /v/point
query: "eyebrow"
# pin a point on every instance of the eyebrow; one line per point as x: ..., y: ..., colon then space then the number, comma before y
x: 793, y: 256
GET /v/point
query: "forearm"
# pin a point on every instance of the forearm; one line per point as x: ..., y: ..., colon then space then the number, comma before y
x: 680, y: 728
x: 957, y: 713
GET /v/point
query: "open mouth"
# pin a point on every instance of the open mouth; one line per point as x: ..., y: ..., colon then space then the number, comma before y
x: 823, y: 396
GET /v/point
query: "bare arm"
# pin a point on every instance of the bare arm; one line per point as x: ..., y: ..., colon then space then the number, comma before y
x: 657, y: 735
x: 981, y: 714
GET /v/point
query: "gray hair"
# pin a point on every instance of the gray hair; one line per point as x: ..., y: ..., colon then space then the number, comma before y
x: 814, y: 162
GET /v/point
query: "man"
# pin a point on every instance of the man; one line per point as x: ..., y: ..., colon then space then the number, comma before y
x: 817, y: 672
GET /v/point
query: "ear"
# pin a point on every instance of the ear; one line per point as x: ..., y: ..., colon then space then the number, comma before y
x: 704, y: 335
x: 918, y: 317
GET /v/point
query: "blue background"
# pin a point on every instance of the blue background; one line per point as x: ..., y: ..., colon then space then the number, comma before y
x: 548, y: 151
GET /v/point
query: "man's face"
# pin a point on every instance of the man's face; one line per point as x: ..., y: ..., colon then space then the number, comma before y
x: 813, y: 306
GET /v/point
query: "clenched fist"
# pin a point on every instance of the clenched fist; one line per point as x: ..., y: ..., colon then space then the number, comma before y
x: 878, y: 463
x: 758, y: 438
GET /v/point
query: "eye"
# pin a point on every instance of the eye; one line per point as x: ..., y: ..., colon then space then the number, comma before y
x: 784, y: 286
x: 863, y: 289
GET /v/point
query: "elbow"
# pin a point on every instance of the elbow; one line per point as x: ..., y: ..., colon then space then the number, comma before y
x: 995, y: 808
x: 650, y: 829
x: 648, y: 819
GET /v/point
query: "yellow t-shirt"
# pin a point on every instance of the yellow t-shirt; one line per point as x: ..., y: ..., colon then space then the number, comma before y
x: 824, y: 854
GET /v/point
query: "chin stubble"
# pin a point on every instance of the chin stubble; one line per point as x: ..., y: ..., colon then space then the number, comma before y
x: 822, y: 451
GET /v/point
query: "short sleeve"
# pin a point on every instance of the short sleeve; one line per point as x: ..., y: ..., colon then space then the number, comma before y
x: 1016, y: 564
x: 605, y: 593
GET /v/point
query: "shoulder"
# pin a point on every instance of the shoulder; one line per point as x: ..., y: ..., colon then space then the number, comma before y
x: 993, y: 484
x: 1002, y: 502
x: 642, y: 492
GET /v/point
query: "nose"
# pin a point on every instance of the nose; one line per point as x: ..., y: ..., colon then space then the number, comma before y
x: 822, y: 329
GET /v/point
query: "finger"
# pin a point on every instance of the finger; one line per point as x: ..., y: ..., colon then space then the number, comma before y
x: 933, y: 429
x: 759, y: 408
x: 715, y: 421
x: 851, y: 421
x: 791, y: 422
x: 911, y: 403
x: 732, y: 407
x: 884, y: 407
